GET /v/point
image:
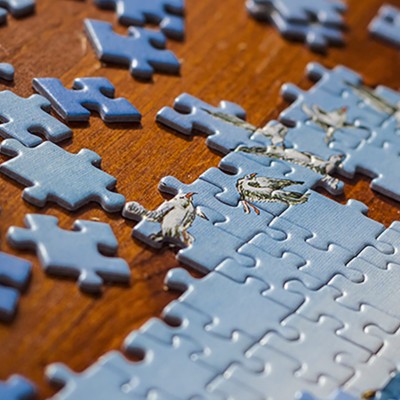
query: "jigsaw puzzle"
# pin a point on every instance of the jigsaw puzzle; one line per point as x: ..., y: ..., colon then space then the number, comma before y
x: 317, y: 23
x: 17, y: 388
x: 83, y: 253
x: 7, y: 72
x: 22, y: 119
x: 143, y: 50
x: 87, y: 94
x: 14, y: 278
x: 53, y: 174
x: 386, y: 24
x: 17, y: 8
x: 168, y: 14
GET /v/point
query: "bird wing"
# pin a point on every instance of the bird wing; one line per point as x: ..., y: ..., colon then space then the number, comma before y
x: 201, y: 214
x: 282, y: 183
x: 232, y: 119
x: 159, y: 214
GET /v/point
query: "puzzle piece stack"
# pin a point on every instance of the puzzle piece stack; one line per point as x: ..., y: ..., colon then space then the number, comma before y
x: 318, y: 23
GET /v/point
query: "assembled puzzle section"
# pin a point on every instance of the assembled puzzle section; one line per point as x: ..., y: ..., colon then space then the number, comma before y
x: 15, y: 275
x: 143, y: 50
x: 168, y: 14
x: 318, y: 23
x: 83, y: 253
x: 386, y: 25
x: 87, y: 94
x: 53, y: 174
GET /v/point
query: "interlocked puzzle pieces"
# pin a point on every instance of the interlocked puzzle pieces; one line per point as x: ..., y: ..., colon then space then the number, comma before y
x: 318, y: 23
x: 77, y: 253
x: 14, y: 277
x: 87, y: 94
x: 386, y: 24
x: 53, y: 174
x: 143, y: 50
x: 17, y: 8
x: 22, y: 117
x: 17, y: 388
x: 168, y: 14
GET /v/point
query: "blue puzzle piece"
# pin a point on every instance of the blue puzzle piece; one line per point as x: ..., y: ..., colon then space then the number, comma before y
x: 17, y: 8
x: 77, y: 253
x: 316, y: 35
x: 391, y: 391
x: 53, y: 174
x: 326, y: 12
x: 143, y: 50
x: 17, y: 388
x: 21, y: 118
x: 168, y: 14
x: 14, y: 277
x: 386, y: 25
x: 7, y: 72
x: 339, y: 395
x: 87, y: 94
x: 190, y: 115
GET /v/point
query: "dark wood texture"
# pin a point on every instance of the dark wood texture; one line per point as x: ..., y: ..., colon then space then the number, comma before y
x: 227, y: 55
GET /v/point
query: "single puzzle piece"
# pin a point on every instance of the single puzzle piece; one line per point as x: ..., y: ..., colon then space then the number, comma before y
x: 22, y: 118
x: 53, y: 174
x: 7, y: 72
x: 322, y: 302
x: 17, y: 8
x: 213, y: 351
x: 103, y: 380
x: 386, y: 24
x: 277, y: 381
x: 87, y: 94
x: 142, y: 50
x: 316, y: 35
x: 168, y: 14
x: 259, y: 313
x: 17, y: 388
x: 76, y: 253
x: 14, y: 277
x: 190, y: 115
x: 336, y: 360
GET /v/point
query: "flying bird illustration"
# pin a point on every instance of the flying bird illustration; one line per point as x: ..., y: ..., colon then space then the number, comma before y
x: 175, y: 216
x: 329, y: 121
x: 379, y: 103
x: 253, y: 188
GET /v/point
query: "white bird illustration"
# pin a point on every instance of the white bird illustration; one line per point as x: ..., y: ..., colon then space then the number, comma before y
x: 329, y: 121
x: 253, y: 188
x: 175, y: 216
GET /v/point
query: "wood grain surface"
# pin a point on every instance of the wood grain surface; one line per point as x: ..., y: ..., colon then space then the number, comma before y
x: 226, y: 55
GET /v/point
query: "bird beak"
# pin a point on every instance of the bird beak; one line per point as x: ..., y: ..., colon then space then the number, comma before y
x: 253, y: 175
x: 190, y: 195
x: 344, y: 109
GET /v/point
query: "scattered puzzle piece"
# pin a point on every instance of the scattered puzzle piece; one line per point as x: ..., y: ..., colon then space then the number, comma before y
x: 21, y: 118
x: 17, y: 388
x: 53, y: 174
x: 7, y: 72
x: 143, y: 50
x: 168, y: 14
x: 17, y: 8
x: 386, y: 25
x: 87, y: 94
x: 14, y: 277
x: 77, y: 253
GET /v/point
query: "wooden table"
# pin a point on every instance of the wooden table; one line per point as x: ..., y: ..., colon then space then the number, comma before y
x: 227, y: 55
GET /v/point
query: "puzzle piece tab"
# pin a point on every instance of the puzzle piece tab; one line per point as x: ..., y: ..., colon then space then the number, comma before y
x: 7, y: 72
x: 386, y: 25
x: 143, y: 50
x: 17, y: 388
x: 77, y: 253
x: 168, y: 14
x: 53, y: 174
x: 21, y: 118
x: 87, y: 94
x: 14, y: 277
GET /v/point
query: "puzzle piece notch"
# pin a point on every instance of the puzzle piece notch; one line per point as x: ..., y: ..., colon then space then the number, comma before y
x: 22, y: 117
x: 76, y: 253
x: 14, y: 277
x: 87, y: 94
x: 143, y: 50
x: 17, y: 388
x: 386, y: 24
x: 53, y: 174
x: 168, y: 14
